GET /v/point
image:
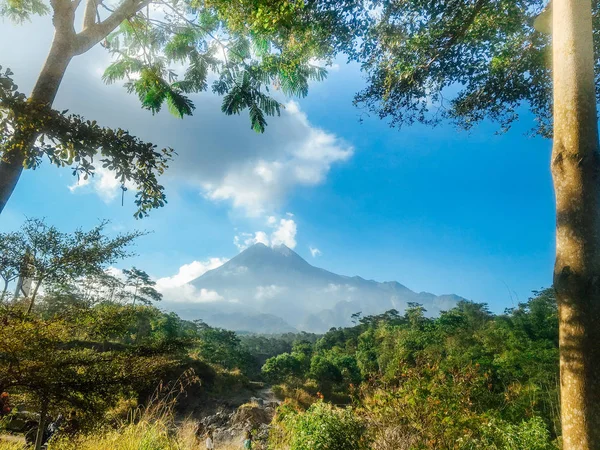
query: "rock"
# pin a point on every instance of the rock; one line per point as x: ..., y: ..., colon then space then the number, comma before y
x: 250, y: 416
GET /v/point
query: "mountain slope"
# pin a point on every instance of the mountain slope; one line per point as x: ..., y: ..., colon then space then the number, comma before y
x: 272, y: 288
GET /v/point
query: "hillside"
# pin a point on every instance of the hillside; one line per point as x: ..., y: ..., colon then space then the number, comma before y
x: 273, y: 289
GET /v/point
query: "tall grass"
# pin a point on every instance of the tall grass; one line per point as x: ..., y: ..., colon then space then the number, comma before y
x: 142, y: 435
x: 6, y: 445
x: 152, y: 427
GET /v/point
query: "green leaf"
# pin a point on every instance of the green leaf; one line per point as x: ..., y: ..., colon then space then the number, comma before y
x: 257, y: 118
x: 179, y: 105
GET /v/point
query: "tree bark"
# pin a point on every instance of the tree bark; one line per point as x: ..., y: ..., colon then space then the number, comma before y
x: 65, y: 45
x: 39, y: 436
x: 576, y: 172
x: 44, y: 92
x: 3, y: 294
x: 33, y: 296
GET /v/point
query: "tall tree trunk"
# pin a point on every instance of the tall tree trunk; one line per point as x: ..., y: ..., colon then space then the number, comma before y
x: 3, y: 295
x: 33, y: 296
x: 44, y: 92
x: 39, y: 436
x: 576, y: 173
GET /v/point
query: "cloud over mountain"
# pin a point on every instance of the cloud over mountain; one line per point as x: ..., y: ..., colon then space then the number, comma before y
x: 276, y: 285
x: 283, y: 233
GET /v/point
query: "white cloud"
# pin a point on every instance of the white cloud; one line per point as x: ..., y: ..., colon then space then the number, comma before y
x: 219, y: 155
x: 284, y: 233
x: 292, y: 153
x: 115, y: 272
x: 314, y: 251
x: 188, y: 272
x: 268, y: 292
x: 176, y: 289
x: 103, y: 182
x: 332, y: 287
x: 79, y: 183
x: 244, y: 240
x: 190, y: 294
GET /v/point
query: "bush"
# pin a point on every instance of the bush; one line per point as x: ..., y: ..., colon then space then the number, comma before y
x: 500, y: 435
x: 432, y: 414
x: 150, y: 428
x: 322, y: 427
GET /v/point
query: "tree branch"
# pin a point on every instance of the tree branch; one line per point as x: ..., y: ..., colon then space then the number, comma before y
x: 98, y: 31
x: 543, y: 22
x: 459, y: 34
x: 63, y: 17
x: 58, y: 5
x: 89, y: 16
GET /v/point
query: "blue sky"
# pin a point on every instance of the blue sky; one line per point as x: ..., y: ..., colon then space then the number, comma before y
x: 438, y: 210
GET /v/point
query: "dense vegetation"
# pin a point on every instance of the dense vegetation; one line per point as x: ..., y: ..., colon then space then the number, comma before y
x: 466, y: 379
x: 87, y: 342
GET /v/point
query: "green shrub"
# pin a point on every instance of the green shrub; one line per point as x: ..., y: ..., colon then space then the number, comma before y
x: 500, y: 435
x: 323, y: 427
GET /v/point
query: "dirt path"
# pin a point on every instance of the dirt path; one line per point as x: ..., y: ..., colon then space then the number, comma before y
x: 266, y: 393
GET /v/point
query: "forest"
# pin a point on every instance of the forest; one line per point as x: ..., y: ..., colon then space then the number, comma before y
x: 92, y: 347
x: 98, y: 349
x: 467, y: 379
x: 90, y: 360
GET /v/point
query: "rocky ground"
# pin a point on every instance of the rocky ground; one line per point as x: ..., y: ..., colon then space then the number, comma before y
x: 230, y: 425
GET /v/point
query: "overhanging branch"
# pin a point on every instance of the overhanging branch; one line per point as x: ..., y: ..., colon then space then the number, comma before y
x: 98, y: 31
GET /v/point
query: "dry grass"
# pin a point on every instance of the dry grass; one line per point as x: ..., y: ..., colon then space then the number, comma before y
x: 149, y: 428
x: 10, y: 445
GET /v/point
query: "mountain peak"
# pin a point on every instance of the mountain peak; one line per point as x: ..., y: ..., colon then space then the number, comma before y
x: 260, y: 255
x: 284, y: 250
x: 263, y: 249
x: 276, y: 281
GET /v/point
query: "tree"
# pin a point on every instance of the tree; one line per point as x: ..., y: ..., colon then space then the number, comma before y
x: 139, y: 287
x: 222, y: 347
x: 283, y: 368
x: 252, y: 47
x: 415, y: 315
x: 325, y: 427
x: 53, y: 257
x: 11, y: 247
x: 59, y: 365
x: 325, y: 373
x: 489, y: 58
x: 70, y: 140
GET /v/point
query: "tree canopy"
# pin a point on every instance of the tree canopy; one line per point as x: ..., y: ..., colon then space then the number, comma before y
x: 165, y: 50
x: 42, y: 255
x: 427, y: 61
x: 69, y: 140
x: 467, y: 379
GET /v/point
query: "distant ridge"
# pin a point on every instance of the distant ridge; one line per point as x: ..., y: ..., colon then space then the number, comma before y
x: 273, y: 289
